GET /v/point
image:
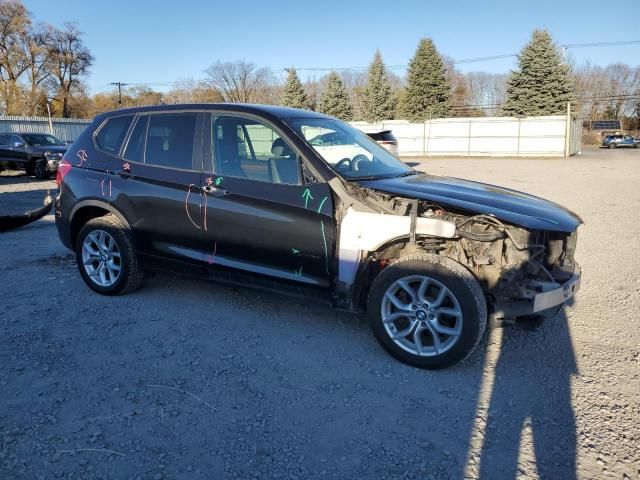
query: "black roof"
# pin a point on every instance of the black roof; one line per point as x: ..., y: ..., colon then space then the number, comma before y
x: 256, y: 109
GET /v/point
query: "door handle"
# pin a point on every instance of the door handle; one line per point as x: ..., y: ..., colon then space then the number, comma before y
x: 123, y: 173
x: 215, y: 191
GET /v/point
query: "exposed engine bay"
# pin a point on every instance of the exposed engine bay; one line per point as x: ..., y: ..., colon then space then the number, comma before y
x: 512, y: 264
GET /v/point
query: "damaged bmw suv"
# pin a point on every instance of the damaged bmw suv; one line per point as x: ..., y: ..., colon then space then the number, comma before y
x: 302, y: 203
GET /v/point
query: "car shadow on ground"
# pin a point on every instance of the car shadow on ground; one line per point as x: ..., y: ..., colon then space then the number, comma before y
x: 483, y: 404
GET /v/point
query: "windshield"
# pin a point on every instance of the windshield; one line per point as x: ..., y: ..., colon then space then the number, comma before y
x: 347, y: 150
x: 42, y: 140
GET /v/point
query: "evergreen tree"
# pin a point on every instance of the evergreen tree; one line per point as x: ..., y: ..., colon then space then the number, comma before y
x: 378, y: 100
x: 335, y: 100
x: 541, y: 85
x: 293, y: 94
x: 428, y: 93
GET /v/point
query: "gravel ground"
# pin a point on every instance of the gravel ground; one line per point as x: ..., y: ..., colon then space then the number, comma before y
x: 188, y: 379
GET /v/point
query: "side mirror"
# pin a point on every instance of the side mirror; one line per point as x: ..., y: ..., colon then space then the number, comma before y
x: 18, y: 144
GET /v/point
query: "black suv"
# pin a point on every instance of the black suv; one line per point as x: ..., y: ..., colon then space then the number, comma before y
x: 302, y: 203
x: 37, y: 153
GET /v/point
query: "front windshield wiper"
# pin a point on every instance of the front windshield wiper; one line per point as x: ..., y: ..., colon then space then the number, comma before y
x: 407, y: 174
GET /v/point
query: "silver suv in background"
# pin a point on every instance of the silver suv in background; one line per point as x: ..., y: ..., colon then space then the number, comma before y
x: 385, y: 139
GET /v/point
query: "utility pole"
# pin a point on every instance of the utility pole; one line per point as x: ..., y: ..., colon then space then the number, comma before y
x: 119, y: 85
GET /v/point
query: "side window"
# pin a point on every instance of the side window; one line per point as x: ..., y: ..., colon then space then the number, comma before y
x: 4, y: 139
x: 135, y: 147
x: 170, y: 140
x: 245, y: 148
x: 112, y: 133
x: 14, y: 139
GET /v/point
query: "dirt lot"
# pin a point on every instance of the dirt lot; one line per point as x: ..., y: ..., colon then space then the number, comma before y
x: 186, y: 379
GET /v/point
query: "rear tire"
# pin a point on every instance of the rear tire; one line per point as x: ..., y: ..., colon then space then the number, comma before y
x: 40, y: 170
x: 449, y: 318
x: 129, y: 271
x: 612, y: 145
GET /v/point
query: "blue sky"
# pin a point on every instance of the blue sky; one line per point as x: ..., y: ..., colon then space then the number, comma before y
x: 164, y: 41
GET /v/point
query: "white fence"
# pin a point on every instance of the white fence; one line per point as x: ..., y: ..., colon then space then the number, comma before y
x: 485, y: 136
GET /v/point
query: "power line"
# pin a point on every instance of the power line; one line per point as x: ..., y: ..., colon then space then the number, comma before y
x: 120, y: 85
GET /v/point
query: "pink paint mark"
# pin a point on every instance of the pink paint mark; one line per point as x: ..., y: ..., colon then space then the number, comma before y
x: 59, y: 213
x: 109, y: 189
x: 102, y: 186
x: 206, y: 202
x: 126, y: 166
x: 209, y: 180
x: 211, y: 258
x: 82, y: 155
x: 186, y: 207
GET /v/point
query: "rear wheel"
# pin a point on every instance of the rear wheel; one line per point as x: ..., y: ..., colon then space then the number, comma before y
x: 106, y: 256
x: 612, y: 145
x: 427, y: 311
x: 40, y: 170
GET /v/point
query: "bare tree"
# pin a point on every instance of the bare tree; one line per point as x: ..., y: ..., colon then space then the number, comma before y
x: 39, y: 66
x: 70, y: 60
x: 14, y: 30
x: 240, y: 82
x: 191, y: 91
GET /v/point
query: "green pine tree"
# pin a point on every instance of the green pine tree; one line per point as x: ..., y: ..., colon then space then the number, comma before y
x: 335, y: 100
x: 378, y: 99
x: 541, y: 85
x: 293, y: 94
x: 428, y: 93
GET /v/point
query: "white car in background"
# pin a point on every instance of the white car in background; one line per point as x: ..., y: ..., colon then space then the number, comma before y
x: 384, y: 138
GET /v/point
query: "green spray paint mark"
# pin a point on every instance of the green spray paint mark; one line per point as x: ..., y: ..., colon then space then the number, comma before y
x: 322, y: 203
x: 219, y: 181
x: 306, y: 195
x: 298, y: 272
x: 295, y: 251
x: 326, y: 255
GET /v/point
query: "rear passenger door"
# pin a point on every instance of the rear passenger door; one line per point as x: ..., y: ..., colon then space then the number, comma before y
x: 156, y: 184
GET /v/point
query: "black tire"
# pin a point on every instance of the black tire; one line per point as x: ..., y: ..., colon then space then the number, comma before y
x: 131, y: 274
x: 612, y: 145
x: 40, y: 170
x: 458, y: 280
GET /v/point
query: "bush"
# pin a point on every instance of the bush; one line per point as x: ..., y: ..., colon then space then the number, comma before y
x: 591, y: 138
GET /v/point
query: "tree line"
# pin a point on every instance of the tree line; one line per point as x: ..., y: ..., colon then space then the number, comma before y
x: 42, y: 65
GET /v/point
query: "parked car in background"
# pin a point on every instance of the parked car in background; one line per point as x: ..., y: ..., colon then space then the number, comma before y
x: 39, y: 154
x: 615, y: 141
x: 384, y: 138
x: 301, y: 203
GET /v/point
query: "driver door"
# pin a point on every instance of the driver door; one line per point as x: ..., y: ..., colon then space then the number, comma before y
x: 259, y: 216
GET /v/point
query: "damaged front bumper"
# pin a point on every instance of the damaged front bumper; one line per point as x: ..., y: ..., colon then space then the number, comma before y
x: 537, y: 297
x: 555, y: 294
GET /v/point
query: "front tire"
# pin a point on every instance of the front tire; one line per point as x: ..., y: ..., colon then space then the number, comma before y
x: 106, y: 256
x: 612, y: 145
x: 427, y: 311
x: 40, y: 170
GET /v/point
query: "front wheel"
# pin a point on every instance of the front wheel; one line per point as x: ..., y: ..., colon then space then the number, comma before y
x: 106, y: 256
x: 40, y: 170
x: 427, y: 311
x: 612, y: 145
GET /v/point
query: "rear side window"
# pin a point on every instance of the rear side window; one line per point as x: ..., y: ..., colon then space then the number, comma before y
x: 110, y: 136
x: 135, y: 147
x: 170, y: 138
x: 382, y: 136
x: 4, y: 139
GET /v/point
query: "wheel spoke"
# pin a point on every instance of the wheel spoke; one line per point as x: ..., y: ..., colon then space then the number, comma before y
x: 407, y: 288
x: 436, y: 339
x: 452, y: 312
x: 422, y: 289
x: 397, y: 303
x: 438, y: 327
x: 403, y: 333
x: 441, y: 296
x: 417, y: 339
x: 88, y: 246
x: 392, y: 317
